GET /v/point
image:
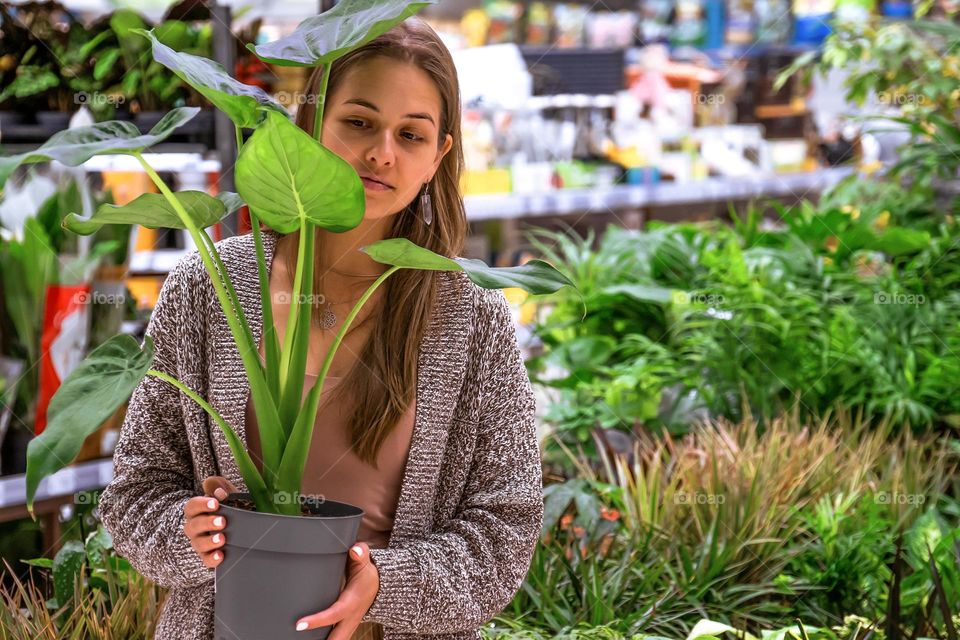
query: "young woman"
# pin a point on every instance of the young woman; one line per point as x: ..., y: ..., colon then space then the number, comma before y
x: 427, y: 419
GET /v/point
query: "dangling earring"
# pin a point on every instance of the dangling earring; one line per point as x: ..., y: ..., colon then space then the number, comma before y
x: 425, y: 206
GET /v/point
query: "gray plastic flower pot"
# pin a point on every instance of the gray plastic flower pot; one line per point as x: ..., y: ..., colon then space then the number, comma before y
x: 277, y: 569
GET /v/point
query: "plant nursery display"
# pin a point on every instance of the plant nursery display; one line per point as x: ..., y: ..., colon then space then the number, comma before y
x: 851, y: 302
x: 755, y: 527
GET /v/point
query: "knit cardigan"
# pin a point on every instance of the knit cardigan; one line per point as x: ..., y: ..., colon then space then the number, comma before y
x: 471, y: 503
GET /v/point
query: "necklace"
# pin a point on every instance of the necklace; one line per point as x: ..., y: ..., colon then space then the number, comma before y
x: 328, y: 318
x: 354, y: 275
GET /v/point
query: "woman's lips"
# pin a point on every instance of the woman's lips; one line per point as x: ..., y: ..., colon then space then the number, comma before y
x: 373, y: 185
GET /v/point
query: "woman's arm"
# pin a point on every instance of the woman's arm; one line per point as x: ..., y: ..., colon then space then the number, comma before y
x: 142, y: 507
x: 461, y: 576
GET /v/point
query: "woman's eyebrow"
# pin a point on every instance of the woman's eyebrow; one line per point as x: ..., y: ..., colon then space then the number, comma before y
x: 368, y: 105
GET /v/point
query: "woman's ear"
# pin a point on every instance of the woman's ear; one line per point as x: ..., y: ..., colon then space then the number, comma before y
x: 447, y: 145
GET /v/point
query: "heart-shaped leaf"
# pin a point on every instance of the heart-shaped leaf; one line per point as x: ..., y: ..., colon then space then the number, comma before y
x: 323, y: 38
x: 90, y: 394
x: 536, y: 276
x: 66, y: 570
x: 98, y: 545
x: 287, y: 177
x: 154, y: 211
x: 241, y: 102
x: 73, y: 147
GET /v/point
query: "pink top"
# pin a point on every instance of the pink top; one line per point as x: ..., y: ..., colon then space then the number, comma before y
x: 335, y: 472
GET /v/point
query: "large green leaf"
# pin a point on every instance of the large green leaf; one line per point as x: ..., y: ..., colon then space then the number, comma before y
x: 324, y: 38
x: 287, y: 177
x: 154, y: 211
x: 90, y: 394
x: 98, y: 545
x: 173, y: 33
x: 66, y: 570
x: 125, y: 23
x: 241, y: 102
x: 900, y: 241
x: 30, y: 80
x: 536, y: 276
x: 73, y: 147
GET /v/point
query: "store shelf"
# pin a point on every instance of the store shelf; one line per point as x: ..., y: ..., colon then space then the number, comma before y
x: 172, y: 161
x: 84, y: 476
x: 55, y: 492
x: 620, y: 197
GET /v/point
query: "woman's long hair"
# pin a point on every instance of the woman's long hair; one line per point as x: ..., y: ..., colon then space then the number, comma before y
x: 383, y: 381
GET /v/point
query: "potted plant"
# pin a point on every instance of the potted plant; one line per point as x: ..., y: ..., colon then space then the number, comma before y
x: 146, y: 84
x: 53, y: 64
x: 305, y: 555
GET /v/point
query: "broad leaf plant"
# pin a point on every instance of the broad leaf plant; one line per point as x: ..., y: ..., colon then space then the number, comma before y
x: 310, y: 187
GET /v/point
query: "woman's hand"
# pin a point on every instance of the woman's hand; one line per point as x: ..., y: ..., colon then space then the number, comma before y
x: 363, y: 583
x: 206, y: 531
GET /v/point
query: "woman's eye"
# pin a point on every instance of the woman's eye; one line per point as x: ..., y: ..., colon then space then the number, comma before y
x: 359, y: 124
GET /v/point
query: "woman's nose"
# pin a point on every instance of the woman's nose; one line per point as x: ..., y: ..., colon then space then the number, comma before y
x: 382, y: 152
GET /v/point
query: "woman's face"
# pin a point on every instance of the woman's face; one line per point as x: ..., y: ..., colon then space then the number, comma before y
x: 384, y: 119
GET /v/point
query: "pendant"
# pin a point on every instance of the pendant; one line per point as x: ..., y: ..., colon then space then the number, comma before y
x: 328, y: 318
x: 427, y: 208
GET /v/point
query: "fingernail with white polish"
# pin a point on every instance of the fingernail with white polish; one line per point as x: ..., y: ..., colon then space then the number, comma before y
x: 301, y: 626
x: 358, y: 551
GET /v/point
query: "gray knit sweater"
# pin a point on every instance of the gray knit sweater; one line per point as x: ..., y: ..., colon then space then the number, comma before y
x: 470, y: 507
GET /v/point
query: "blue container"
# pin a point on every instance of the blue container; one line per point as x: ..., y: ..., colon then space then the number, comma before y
x: 812, y: 29
x: 898, y: 10
x: 643, y: 175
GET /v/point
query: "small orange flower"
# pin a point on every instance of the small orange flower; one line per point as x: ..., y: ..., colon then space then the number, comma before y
x: 565, y: 521
x: 579, y: 531
x: 609, y: 514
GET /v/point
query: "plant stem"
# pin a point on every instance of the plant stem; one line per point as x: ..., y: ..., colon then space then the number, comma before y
x: 268, y: 332
x: 272, y: 447
x: 195, y: 234
x: 234, y: 298
x: 321, y: 101
x: 296, y: 299
x: 298, y: 445
x: 252, y: 477
x: 239, y: 138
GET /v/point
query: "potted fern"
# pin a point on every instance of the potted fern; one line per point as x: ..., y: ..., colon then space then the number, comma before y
x: 272, y: 526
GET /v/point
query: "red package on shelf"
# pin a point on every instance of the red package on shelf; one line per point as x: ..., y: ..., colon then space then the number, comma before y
x: 63, y: 342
